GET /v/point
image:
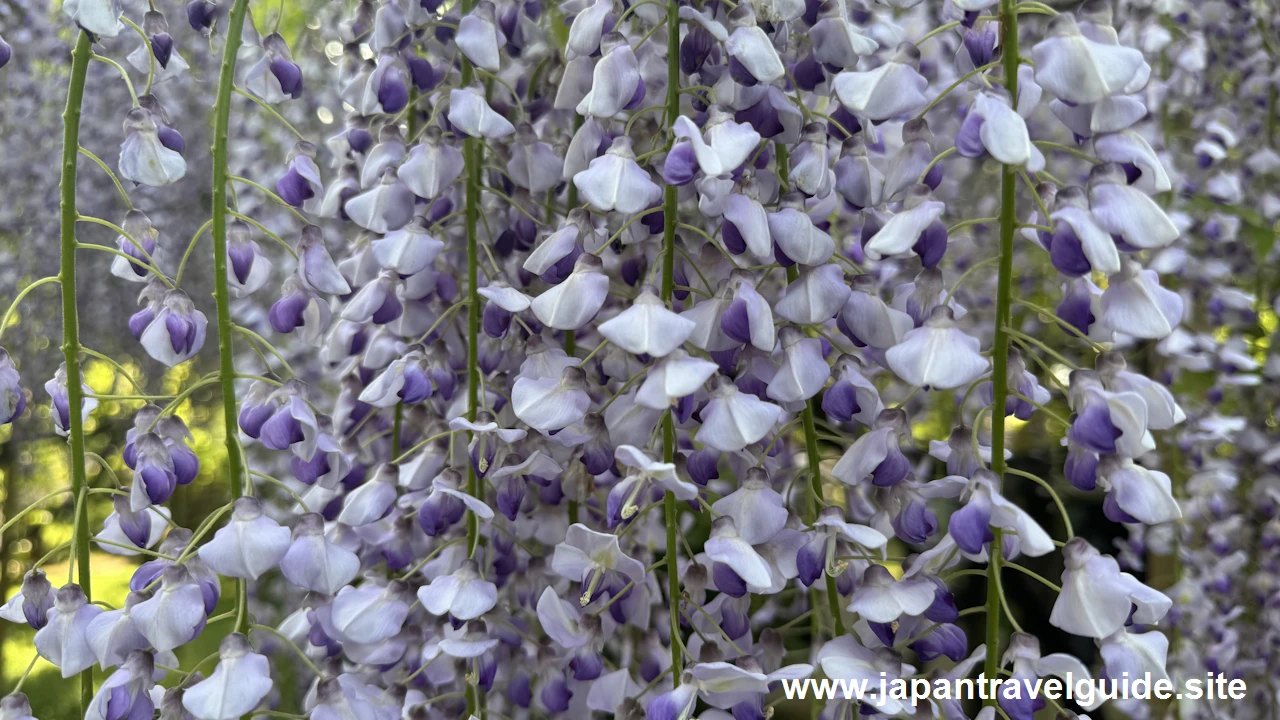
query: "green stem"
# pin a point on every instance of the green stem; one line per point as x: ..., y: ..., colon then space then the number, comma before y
x: 814, y: 469
x: 669, y: 217
x: 937, y: 159
x: 571, y: 196
x: 934, y: 103
x: 182, y: 266
x: 473, y: 160
x: 13, y: 520
x: 13, y: 306
x: 396, y: 422
x: 815, y: 477
x: 473, y: 154
x: 71, y: 322
x: 119, y: 188
x: 1000, y: 353
x: 782, y: 165
x: 227, y: 372
x: 1062, y: 508
x: 271, y: 111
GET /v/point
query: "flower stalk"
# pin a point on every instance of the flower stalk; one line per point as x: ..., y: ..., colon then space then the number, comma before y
x: 815, y: 478
x: 71, y: 325
x: 671, y: 196
x: 1000, y: 352
x: 227, y: 372
x: 473, y: 161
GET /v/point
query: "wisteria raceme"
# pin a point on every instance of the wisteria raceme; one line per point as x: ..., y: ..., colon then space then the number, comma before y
x: 648, y: 359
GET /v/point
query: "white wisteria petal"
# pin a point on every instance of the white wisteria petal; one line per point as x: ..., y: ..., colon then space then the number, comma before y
x: 1097, y: 598
x: 408, y: 251
x: 727, y: 146
x: 1004, y: 133
x: 1124, y: 210
x: 615, y: 81
x: 143, y: 158
x: 172, y: 616
x: 756, y: 508
x: 677, y: 376
x: 313, y: 562
x: 384, y: 207
x: 894, y: 89
x: 614, y: 181
x: 733, y: 420
x: 63, y: 641
x: 477, y: 38
x: 882, y: 599
x: 647, y: 327
x: 549, y: 404
x: 1135, y: 304
x: 1033, y: 541
x: 470, y: 113
x: 432, y: 166
x: 793, y: 231
x: 804, y: 371
x: 506, y: 297
x: 249, y: 545
x: 1140, y: 492
x: 560, y: 620
x: 751, y: 223
x: 753, y: 48
x: 100, y: 17
x: 815, y: 297
x: 552, y: 249
x: 369, y: 613
x: 938, y: 354
x: 239, y: 683
x: 727, y: 547
x: 587, y: 29
x: 899, y: 235
x: 1078, y: 70
x: 572, y: 303
x: 870, y: 319
x: 463, y: 594
x: 759, y: 315
x: 1098, y: 247
x: 837, y: 42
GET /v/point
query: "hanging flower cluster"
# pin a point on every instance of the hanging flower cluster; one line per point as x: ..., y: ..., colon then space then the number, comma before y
x: 635, y: 358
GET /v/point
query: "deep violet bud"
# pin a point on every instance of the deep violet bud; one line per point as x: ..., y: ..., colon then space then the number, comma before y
x: 37, y: 598
x: 946, y: 639
x: 392, y: 89
x: 169, y: 137
x: 696, y: 48
x: 201, y: 14
x: 275, y: 77
x: 301, y: 181
x: 286, y: 71
x: 702, y: 465
x: 6, y: 52
x: 555, y: 694
x: 256, y: 408
x: 980, y: 44
x: 423, y: 75
x: 680, y: 166
x: 728, y: 581
x: 915, y: 523
x: 808, y: 74
x: 161, y: 47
